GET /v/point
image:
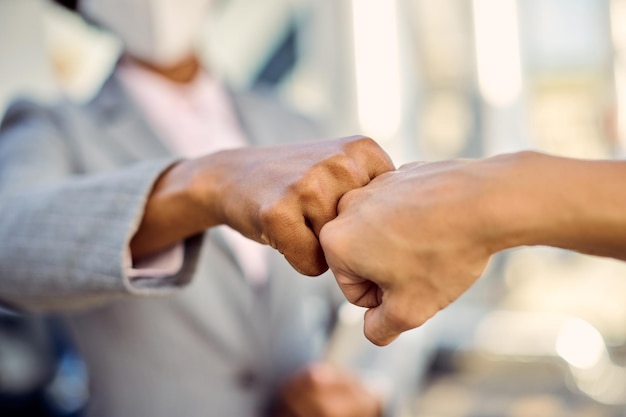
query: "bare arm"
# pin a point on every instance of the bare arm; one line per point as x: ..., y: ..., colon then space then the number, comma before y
x: 571, y: 204
x: 414, y: 240
x: 281, y: 196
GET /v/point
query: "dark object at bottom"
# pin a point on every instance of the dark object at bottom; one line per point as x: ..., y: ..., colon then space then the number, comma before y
x: 41, y: 373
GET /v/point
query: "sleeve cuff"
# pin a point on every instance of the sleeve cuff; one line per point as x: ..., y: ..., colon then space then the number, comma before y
x: 165, y: 263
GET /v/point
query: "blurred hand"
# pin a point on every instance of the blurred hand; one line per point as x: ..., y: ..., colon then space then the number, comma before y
x: 322, y: 390
x: 282, y: 196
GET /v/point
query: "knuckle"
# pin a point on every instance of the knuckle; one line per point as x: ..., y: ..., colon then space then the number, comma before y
x: 334, y: 240
x: 274, y: 215
x: 365, y: 144
x: 348, y: 200
x: 345, y: 169
x: 368, y: 143
x: 328, y: 238
x: 278, y: 227
x: 311, y: 190
x: 371, y: 150
x: 331, y: 177
x: 359, y: 138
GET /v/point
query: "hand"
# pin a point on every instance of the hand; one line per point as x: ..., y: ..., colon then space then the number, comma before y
x: 282, y: 196
x: 322, y: 390
x: 410, y: 242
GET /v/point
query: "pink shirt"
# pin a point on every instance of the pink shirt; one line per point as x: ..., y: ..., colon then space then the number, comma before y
x: 192, y: 120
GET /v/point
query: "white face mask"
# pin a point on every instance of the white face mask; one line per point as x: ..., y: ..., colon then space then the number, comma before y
x: 161, y: 32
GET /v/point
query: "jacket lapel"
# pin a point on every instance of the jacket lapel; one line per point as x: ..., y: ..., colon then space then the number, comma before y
x: 120, y: 120
x: 118, y: 117
x: 258, y: 126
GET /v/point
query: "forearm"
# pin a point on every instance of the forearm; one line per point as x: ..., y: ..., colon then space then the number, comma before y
x: 567, y: 203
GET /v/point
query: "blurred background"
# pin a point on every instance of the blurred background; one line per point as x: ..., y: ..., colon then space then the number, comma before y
x: 544, y: 333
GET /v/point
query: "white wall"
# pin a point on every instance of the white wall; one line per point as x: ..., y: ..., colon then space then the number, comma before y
x: 24, y: 68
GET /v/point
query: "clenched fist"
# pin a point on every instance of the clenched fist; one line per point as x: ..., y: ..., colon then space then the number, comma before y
x: 280, y: 196
x: 413, y: 240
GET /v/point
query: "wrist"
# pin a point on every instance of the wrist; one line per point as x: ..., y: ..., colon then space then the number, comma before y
x: 561, y: 202
x: 587, y: 212
x: 199, y: 178
x: 521, y: 205
x: 171, y: 213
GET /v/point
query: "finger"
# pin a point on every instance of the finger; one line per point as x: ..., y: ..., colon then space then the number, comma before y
x: 350, y: 199
x: 363, y: 160
x: 319, y: 213
x: 319, y: 192
x: 359, y: 291
x: 316, y: 222
x: 383, y: 324
x: 354, y: 197
x: 286, y: 230
x: 302, y: 250
x: 336, y: 243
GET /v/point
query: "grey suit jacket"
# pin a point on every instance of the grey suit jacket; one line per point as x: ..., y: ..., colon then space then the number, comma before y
x: 73, y: 183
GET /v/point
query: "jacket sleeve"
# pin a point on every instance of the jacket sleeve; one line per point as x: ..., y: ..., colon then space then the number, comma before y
x: 63, y: 234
